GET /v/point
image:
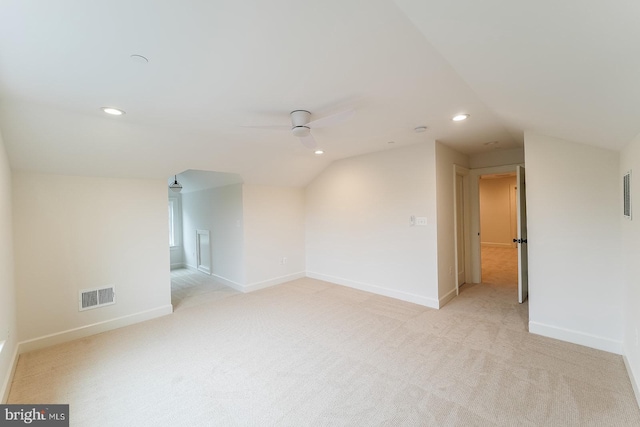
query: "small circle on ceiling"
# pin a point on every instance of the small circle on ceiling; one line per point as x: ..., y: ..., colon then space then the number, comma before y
x: 140, y: 59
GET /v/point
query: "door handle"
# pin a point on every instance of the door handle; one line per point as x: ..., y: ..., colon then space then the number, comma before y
x: 519, y: 240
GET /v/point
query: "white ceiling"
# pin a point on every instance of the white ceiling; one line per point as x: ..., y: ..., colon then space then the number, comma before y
x: 566, y: 69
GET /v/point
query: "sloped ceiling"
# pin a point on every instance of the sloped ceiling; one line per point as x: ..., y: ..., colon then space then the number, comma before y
x: 567, y: 68
x: 216, y: 67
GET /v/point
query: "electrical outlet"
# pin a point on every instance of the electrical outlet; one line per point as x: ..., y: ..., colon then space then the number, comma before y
x: 284, y: 260
x: 450, y: 271
x: 421, y: 221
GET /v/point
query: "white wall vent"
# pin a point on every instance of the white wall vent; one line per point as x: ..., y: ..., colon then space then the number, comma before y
x: 94, y: 298
x: 626, y: 191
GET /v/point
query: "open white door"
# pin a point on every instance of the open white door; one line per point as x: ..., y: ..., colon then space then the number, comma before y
x: 521, y: 205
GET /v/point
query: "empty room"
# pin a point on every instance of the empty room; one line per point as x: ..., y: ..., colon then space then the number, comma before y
x: 396, y: 212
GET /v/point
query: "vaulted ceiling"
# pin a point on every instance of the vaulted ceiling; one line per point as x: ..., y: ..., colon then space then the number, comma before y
x: 567, y: 69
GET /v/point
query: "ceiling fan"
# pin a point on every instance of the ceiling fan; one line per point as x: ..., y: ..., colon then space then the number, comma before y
x: 301, y: 124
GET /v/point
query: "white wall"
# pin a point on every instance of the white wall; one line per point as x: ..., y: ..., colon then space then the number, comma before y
x: 445, y: 159
x: 573, y: 205
x: 8, y: 321
x: 498, y: 211
x: 630, y: 160
x: 357, y: 223
x: 218, y: 210
x: 176, y: 253
x: 273, y: 230
x: 74, y: 233
x: 487, y: 159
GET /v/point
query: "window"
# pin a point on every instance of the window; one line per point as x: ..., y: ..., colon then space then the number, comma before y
x: 172, y: 228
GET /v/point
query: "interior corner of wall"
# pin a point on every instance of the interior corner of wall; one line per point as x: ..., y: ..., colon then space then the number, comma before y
x: 442, y: 301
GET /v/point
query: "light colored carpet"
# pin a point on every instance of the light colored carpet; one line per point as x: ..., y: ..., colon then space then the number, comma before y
x: 500, y: 266
x: 189, y: 287
x: 312, y: 353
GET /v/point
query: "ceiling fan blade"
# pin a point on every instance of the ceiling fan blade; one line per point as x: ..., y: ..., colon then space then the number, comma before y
x: 309, y: 141
x: 274, y: 127
x: 333, y: 119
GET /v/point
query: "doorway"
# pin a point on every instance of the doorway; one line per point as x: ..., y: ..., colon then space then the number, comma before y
x: 476, y: 238
x: 498, y: 229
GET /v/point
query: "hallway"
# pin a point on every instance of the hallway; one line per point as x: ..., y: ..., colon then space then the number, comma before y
x: 500, y: 266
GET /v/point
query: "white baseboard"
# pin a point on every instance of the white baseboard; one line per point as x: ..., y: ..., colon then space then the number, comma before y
x: 230, y: 283
x: 632, y: 378
x: 272, y: 282
x: 448, y: 297
x: 374, y: 289
x: 258, y: 285
x: 576, y: 337
x: 96, y: 328
x: 177, y: 265
x: 76, y: 333
x: 6, y: 386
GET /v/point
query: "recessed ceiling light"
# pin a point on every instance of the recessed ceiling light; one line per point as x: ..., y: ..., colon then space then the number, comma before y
x: 391, y: 142
x: 420, y: 129
x: 318, y: 152
x: 460, y: 117
x: 491, y: 143
x: 112, y: 111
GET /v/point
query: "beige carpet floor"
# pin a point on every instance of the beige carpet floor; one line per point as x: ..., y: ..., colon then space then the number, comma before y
x: 311, y: 353
x: 500, y: 266
x: 189, y: 288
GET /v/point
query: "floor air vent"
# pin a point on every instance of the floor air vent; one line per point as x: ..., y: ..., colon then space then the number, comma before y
x: 94, y: 298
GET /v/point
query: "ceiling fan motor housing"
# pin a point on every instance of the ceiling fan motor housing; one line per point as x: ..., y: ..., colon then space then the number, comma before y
x: 300, y: 131
x: 300, y: 118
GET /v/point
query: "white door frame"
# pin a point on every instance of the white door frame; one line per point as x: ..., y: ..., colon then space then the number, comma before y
x: 459, y: 171
x: 474, y: 205
x: 513, y: 213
